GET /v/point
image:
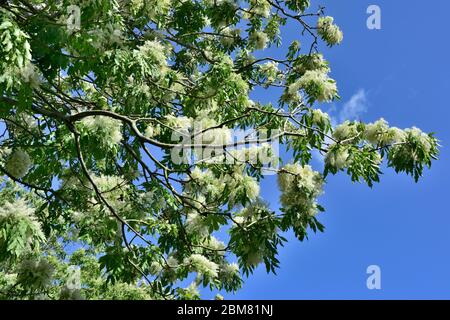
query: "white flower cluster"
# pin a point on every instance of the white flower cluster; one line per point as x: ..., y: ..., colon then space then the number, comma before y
x: 15, y: 51
x: 259, y: 40
x: 21, y: 229
x: 317, y: 84
x: 35, y: 273
x: 18, y: 163
x: 182, y: 123
x: 202, y: 176
x: 300, y: 186
x: 70, y: 294
x: 152, y: 131
x: 222, y: 20
x: 71, y: 288
x: 172, y: 262
x: 150, y: 7
x: 329, y: 31
x: 260, y: 7
x: 4, y: 152
x: 252, y: 215
x: 205, y: 183
x: 270, y: 71
x: 17, y: 210
x: 379, y: 133
x: 422, y: 138
x: 107, y: 128
x: 230, y: 270
x: 30, y: 75
x: 215, y: 244
x: 241, y: 184
x: 416, y: 148
x: 155, y: 267
x: 154, y: 50
x: 192, y: 290
x: 345, y: 131
x: 229, y: 36
x: 337, y: 158
x: 126, y: 291
x: 112, y: 187
x: 108, y: 183
x: 214, y: 136
x: 254, y: 154
x: 104, y: 37
x: 195, y: 224
x: 202, y: 265
x: 314, y: 61
x: 320, y: 117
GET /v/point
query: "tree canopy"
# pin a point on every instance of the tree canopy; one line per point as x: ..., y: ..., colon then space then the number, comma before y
x: 122, y: 176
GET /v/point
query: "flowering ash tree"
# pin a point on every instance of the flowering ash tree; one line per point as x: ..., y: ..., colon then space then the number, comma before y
x: 107, y: 108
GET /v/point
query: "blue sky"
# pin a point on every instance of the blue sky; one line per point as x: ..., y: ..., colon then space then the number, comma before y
x: 400, y: 73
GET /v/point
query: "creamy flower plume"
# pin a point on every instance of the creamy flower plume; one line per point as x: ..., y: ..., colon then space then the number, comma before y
x: 317, y: 85
x: 35, y: 273
x: 259, y: 39
x: 300, y: 186
x: 337, y: 157
x: 379, y: 133
x: 346, y: 131
x: 18, y: 163
x: 109, y: 130
x: 329, y: 31
x: 202, y: 265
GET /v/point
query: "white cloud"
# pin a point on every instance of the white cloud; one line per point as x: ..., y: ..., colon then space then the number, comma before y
x: 355, y: 107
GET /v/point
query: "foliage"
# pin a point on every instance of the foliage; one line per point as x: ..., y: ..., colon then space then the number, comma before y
x: 94, y: 203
